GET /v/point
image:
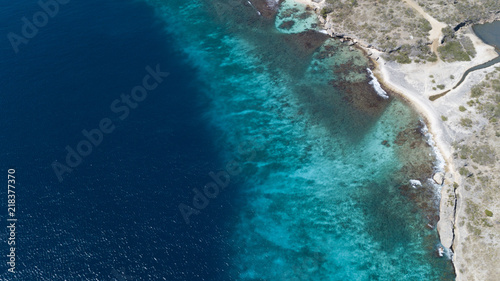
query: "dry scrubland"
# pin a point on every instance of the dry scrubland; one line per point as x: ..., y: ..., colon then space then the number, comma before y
x: 373, y: 23
x: 475, y: 121
x: 394, y: 27
x: 455, y: 12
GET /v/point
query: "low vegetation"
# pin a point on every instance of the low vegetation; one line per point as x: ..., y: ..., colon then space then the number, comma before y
x: 466, y: 122
x: 483, y: 154
x: 488, y: 213
x: 476, y: 91
x: 388, y: 25
x: 325, y: 11
x: 455, y: 12
x: 453, y: 51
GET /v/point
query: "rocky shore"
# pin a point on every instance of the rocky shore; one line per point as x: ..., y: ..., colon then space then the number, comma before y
x: 416, y: 82
x: 428, y: 83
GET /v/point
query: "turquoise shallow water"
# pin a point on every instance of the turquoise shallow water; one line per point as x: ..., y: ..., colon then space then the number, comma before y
x: 322, y: 198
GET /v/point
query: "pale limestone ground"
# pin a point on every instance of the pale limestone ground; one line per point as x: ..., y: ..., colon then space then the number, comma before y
x: 477, y: 236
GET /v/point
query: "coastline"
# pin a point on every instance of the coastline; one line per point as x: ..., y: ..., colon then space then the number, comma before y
x: 409, y: 83
x: 415, y: 83
x: 436, y: 91
x: 394, y: 76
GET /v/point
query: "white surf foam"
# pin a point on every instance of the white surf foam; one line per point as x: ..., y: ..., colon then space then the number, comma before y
x: 376, y: 85
x: 415, y: 183
x: 251, y: 5
x: 429, y: 138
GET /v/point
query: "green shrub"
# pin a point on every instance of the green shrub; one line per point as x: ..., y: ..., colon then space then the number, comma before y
x: 448, y: 33
x: 403, y: 58
x: 466, y: 122
x: 325, y: 11
x: 497, y: 111
x: 455, y: 185
x: 426, y: 26
x: 435, y: 97
x: 440, y: 86
x: 462, y: 108
x: 453, y: 51
x: 444, y: 118
x: 488, y: 213
x: 476, y: 91
x: 468, y: 46
x: 483, y: 155
x: 432, y: 58
x: 463, y: 171
x: 452, y: 77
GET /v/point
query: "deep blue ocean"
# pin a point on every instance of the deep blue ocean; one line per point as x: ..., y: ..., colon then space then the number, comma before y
x: 251, y: 160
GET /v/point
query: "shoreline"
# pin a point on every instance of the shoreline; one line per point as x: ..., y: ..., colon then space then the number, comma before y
x: 393, y: 76
x: 431, y: 89
x: 415, y: 83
